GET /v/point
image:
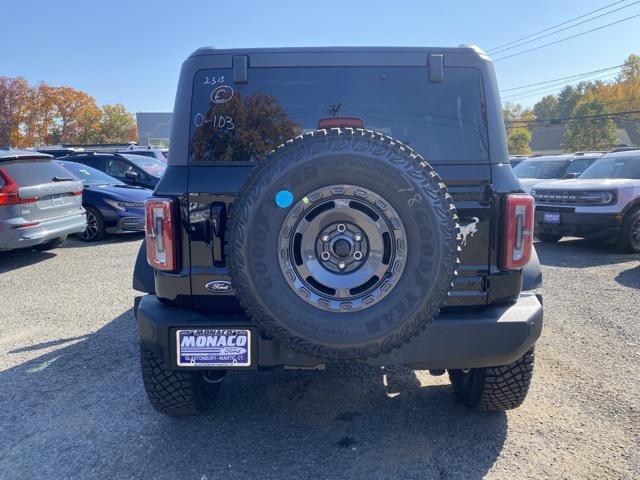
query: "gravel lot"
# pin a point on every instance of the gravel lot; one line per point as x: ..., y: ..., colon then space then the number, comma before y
x: 72, y: 403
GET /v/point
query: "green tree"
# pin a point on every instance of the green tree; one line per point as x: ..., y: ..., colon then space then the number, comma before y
x: 590, y: 133
x: 117, y: 124
x: 546, y: 108
x: 518, y: 135
x: 631, y: 69
x: 518, y: 139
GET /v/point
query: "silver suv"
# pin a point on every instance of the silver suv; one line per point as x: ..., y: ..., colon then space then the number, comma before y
x: 603, y: 203
x: 545, y: 168
x: 40, y: 203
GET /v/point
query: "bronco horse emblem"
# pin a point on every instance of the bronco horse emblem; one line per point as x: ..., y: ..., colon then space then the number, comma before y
x: 469, y: 230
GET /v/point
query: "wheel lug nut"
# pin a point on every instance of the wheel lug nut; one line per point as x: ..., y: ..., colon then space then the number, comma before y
x: 342, y: 265
x: 357, y: 237
x: 357, y: 255
x: 342, y: 227
x: 326, y: 238
x: 325, y: 256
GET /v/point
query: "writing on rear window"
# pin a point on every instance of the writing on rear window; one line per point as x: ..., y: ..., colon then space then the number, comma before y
x: 443, y: 121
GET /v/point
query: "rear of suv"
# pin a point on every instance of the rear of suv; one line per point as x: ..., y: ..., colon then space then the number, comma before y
x: 137, y: 170
x: 602, y: 203
x: 547, y: 168
x: 40, y: 202
x: 338, y: 205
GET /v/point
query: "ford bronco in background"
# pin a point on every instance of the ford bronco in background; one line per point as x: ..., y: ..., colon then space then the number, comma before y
x: 327, y: 205
x: 602, y: 203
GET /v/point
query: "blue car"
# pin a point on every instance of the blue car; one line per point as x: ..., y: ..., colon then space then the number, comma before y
x: 112, y: 206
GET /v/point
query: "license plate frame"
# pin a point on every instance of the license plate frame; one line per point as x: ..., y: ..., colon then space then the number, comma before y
x: 552, y: 218
x: 218, y: 348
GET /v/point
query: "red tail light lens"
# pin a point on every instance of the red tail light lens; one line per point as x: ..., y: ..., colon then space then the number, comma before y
x: 518, y: 231
x: 160, y: 234
x: 9, y: 191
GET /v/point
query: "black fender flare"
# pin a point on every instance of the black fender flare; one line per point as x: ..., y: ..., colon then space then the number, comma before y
x: 143, y: 276
x: 532, y: 273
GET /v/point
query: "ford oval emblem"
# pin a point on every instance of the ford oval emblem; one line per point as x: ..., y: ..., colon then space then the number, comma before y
x: 219, y: 286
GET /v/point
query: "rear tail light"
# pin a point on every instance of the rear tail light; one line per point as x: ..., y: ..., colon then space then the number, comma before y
x: 160, y: 231
x: 518, y: 231
x: 9, y: 191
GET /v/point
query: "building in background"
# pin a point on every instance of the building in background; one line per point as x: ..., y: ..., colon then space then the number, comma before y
x: 550, y: 140
x: 154, y: 128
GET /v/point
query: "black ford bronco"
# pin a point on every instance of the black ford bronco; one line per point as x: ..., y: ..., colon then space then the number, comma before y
x: 327, y: 205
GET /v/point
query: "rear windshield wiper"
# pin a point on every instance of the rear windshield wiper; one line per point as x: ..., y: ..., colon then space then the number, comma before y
x: 62, y: 179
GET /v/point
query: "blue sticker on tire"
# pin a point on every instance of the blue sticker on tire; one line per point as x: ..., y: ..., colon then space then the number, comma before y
x: 284, y: 198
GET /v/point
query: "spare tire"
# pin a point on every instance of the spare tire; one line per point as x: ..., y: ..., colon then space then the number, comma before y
x: 343, y: 243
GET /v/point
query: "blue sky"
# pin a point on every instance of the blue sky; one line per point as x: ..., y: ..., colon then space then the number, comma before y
x: 131, y: 51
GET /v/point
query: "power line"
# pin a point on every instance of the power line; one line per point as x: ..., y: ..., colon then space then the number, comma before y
x: 567, y: 38
x: 554, y: 121
x: 548, y: 89
x: 556, y: 26
x: 565, y: 28
x: 562, y: 78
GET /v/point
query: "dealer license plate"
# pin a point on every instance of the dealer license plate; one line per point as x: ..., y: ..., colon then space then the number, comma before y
x: 213, y: 348
x: 553, y: 218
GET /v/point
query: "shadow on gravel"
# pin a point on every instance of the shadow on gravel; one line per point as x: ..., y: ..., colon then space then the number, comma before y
x: 581, y: 253
x: 80, y: 411
x: 108, y: 240
x: 630, y: 278
x: 16, y: 259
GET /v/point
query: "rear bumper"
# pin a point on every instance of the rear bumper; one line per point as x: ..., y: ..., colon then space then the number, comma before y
x: 127, y: 225
x: 12, y: 236
x: 485, y: 337
x: 580, y: 224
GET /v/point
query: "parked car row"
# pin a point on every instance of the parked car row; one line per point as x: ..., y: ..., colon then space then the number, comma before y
x: 587, y: 195
x: 44, y: 200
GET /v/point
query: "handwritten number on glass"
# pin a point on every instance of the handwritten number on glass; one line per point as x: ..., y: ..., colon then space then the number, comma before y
x: 213, y: 80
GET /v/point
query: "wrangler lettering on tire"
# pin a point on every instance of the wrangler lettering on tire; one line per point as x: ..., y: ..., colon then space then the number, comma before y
x: 363, y: 257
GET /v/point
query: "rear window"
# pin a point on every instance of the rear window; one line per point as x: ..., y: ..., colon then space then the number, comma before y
x: 27, y: 173
x: 540, y: 169
x: 150, y: 165
x: 443, y: 121
x: 614, y: 167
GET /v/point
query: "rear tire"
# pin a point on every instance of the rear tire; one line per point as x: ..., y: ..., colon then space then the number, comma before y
x: 176, y: 393
x: 494, y: 388
x: 95, y: 226
x: 548, y: 237
x: 629, y: 236
x: 51, y: 244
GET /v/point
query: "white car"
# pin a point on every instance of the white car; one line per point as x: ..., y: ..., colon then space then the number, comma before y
x: 552, y: 167
x: 603, y: 203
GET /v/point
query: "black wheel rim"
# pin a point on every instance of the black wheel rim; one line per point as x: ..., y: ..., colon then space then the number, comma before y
x: 342, y: 248
x: 92, y: 227
x: 635, y: 234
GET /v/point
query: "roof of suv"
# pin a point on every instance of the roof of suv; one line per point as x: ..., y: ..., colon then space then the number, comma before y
x: 549, y: 158
x: 624, y: 153
x: 461, y: 49
x: 12, y: 154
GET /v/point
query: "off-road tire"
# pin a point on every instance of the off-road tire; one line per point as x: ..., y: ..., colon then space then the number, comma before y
x: 51, y: 244
x: 494, y: 388
x: 630, y: 224
x: 175, y: 393
x: 548, y: 237
x: 343, y: 156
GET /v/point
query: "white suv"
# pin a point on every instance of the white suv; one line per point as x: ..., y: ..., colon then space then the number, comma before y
x: 603, y: 203
x: 534, y: 170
